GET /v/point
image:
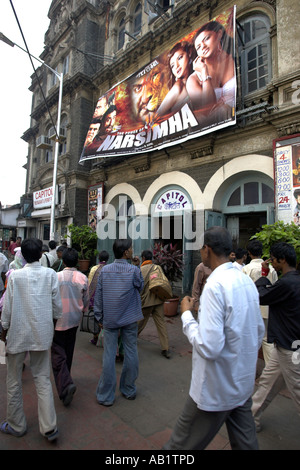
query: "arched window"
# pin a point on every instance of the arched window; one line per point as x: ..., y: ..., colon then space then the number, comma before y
x: 249, y: 193
x: 121, y: 34
x: 137, y: 19
x: 254, y: 52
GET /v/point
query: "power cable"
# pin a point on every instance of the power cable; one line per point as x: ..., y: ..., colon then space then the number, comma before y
x: 29, y: 55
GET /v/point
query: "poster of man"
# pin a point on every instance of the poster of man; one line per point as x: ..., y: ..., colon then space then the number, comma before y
x: 183, y: 93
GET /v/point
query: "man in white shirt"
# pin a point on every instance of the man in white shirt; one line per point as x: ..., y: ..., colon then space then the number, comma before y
x: 3, y: 270
x: 225, y: 340
x: 31, y: 307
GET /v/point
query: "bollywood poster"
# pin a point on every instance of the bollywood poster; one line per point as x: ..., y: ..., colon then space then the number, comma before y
x: 184, y: 93
x: 95, y: 204
x: 287, y: 179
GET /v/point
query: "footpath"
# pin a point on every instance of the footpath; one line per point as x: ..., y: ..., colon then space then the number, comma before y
x: 146, y: 422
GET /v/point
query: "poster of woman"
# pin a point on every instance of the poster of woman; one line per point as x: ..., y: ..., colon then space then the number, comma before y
x: 185, y: 92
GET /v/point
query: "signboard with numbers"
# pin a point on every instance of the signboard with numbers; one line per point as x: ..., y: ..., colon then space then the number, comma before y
x: 287, y: 179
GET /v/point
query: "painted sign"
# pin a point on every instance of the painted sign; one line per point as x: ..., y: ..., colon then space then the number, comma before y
x: 184, y: 93
x: 95, y: 204
x: 172, y: 200
x: 287, y: 179
x: 43, y: 198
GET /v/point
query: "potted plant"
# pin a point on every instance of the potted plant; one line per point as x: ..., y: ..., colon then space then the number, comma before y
x: 279, y: 232
x: 84, y: 240
x: 170, y: 259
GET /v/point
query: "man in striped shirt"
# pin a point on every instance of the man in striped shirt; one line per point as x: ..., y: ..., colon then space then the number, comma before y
x: 117, y: 307
x: 73, y: 286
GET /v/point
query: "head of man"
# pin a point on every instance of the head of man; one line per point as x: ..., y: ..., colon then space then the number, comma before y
x: 217, y: 246
x: 108, y: 120
x: 92, y: 132
x: 70, y: 257
x: 255, y: 248
x: 31, y: 249
x: 60, y: 251
x: 103, y: 256
x: 147, y: 92
x: 283, y: 257
x: 147, y: 255
x: 123, y: 248
x: 101, y: 107
x: 52, y: 244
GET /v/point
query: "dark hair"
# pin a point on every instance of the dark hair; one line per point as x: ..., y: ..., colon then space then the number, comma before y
x: 255, y: 247
x: 147, y: 254
x: 282, y: 250
x: 103, y: 255
x: 45, y: 248
x: 120, y: 246
x: 61, y: 248
x: 70, y: 257
x: 219, y: 240
x: 296, y: 193
x: 52, y: 244
x: 186, y: 47
x: 31, y: 249
x: 240, y: 252
x: 225, y: 40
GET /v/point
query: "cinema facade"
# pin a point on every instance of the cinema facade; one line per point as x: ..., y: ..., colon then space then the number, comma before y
x: 165, y: 179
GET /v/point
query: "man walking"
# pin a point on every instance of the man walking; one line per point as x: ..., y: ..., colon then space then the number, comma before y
x: 253, y: 270
x: 117, y: 307
x: 225, y: 340
x: 74, y: 293
x: 31, y: 307
x: 153, y: 305
x: 283, y: 329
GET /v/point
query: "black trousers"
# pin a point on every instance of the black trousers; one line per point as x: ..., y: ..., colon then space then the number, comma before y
x: 62, y: 351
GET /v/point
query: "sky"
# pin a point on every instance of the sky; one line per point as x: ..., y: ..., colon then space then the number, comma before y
x: 15, y: 98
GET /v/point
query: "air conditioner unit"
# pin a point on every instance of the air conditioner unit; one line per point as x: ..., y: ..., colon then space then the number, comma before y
x: 43, y: 142
x: 52, y: 133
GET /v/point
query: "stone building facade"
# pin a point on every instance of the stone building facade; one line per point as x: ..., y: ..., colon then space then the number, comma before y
x: 227, y: 175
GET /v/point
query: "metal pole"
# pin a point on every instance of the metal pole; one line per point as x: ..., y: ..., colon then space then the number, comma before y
x: 52, y: 217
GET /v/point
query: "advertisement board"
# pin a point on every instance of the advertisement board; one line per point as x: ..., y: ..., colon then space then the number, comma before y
x: 186, y: 92
x: 95, y: 204
x: 287, y: 179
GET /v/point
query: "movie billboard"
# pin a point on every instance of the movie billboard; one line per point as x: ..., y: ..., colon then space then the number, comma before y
x: 287, y: 179
x: 185, y: 92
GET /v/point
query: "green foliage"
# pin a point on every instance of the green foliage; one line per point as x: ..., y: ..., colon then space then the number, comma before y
x: 279, y: 232
x: 169, y: 259
x: 84, y: 240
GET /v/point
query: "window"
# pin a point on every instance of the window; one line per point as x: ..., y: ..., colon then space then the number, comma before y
x: 53, y: 78
x: 254, y: 53
x: 121, y: 34
x: 251, y: 193
x: 137, y: 21
x: 66, y: 65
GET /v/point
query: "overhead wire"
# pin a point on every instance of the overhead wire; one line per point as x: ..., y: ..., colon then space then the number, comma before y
x: 30, y: 58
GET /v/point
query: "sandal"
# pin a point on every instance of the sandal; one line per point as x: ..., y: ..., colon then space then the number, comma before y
x: 52, y: 435
x: 7, y: 429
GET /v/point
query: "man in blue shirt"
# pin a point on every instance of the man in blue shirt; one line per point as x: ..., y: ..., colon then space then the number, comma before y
x: 118, y: 307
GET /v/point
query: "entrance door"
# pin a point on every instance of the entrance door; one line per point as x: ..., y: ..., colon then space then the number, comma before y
x: 243, y: 226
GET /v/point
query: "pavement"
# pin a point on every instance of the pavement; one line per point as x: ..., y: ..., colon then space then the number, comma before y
x: 145, y: 423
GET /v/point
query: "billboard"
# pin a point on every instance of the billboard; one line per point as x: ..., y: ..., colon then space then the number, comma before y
x: 95, y: 204
x: 287, y: 178
x: 186, y: 92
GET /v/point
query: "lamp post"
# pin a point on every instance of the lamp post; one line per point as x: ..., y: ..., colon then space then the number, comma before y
x: 60, y: 77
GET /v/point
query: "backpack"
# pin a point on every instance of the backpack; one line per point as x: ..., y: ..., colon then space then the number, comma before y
x: 159, y: 284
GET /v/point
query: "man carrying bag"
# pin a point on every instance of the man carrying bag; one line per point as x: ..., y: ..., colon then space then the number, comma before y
x: 156, y: 288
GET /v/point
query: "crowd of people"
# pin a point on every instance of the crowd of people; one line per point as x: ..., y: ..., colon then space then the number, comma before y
x: 235, y: 307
